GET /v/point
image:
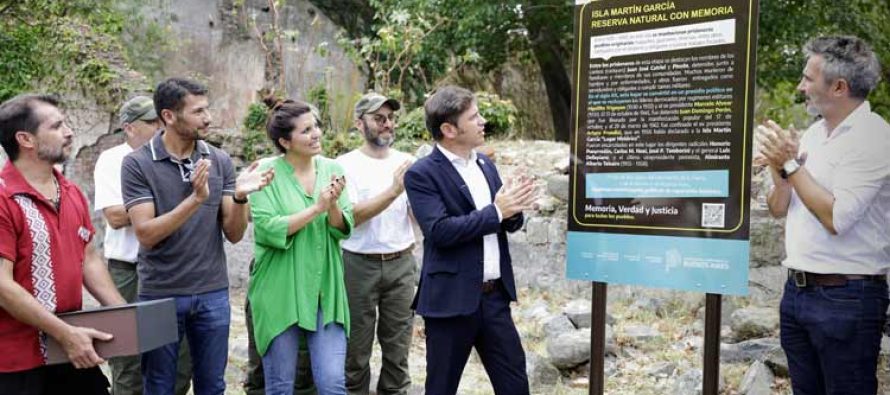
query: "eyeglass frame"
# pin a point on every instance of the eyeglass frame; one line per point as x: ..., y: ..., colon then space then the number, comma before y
x: 378, y: 117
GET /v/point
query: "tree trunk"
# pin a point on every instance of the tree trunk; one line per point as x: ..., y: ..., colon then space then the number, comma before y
x: 550, y: 56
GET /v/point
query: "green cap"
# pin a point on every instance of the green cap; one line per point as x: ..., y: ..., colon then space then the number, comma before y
x: 139, y: 108
x: 371, y: 102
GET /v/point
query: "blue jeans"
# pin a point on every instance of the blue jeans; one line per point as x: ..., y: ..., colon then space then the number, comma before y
x: 832, y: 336
x: 204, y: 320
x: 327, y: 353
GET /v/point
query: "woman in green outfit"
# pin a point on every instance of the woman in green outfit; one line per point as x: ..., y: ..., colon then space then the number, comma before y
x: 296, y: 285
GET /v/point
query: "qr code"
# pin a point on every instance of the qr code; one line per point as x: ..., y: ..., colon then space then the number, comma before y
x: 713, y: 215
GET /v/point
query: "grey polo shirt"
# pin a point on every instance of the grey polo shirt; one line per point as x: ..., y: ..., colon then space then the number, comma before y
x: 191, y: 260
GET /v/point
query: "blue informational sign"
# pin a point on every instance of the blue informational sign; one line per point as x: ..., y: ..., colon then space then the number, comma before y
x: 684, y: 263
x: 661, y: 143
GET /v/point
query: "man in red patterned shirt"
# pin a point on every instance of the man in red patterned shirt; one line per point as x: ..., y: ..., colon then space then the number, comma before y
x: 46, y: 256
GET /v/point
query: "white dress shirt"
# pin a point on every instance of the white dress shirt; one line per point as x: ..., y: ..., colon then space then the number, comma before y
x: 853, y: 163
x: 471, y: 172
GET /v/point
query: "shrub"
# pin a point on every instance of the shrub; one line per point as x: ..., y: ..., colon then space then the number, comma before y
x: 500, y: 114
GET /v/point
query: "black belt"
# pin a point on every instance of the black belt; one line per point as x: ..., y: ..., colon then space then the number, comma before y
x: 802, y: 279
x: 490, y: 285
x: 121, y: 264
x: 386, y: 256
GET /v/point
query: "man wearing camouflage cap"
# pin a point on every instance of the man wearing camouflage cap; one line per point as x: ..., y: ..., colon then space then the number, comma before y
x: 139, y: 121
x: 377, y: 258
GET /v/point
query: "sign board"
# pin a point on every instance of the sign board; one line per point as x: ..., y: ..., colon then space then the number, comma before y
x: 661, y: 143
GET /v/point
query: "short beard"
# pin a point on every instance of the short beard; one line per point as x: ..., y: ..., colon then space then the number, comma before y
x: 190, y: 134
x: 52, y: 155
x: 376, y: 141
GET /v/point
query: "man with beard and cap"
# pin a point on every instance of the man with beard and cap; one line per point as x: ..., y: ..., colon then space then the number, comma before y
x: 182, y: 197
x: 378, y: 260
x: 139, y: 121
x: 46, y: 256
x: 833, y: 185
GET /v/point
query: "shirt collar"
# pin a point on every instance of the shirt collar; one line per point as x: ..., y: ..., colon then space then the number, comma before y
x: 12, y: 182
x: 159, y: 151
x: 852, y: 119
x: 457, y: 160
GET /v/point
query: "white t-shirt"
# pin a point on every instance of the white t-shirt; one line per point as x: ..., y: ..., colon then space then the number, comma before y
x: 853, y: 164
x: 120, y: 244
x: 366, y: 177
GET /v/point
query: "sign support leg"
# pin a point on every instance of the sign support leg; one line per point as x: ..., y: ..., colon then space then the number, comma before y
x: 598, y: 338
x: 711, y: 365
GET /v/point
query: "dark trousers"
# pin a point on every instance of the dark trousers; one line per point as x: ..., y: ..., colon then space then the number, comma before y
x: 491, y: 331
x: 54, y: 380
x: 832, y: 336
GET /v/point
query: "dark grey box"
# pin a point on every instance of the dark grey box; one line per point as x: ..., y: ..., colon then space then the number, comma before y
x: 136, y: 327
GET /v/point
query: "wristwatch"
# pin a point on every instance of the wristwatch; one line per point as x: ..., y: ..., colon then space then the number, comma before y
x: 239, y: 201
x: 789, y: 167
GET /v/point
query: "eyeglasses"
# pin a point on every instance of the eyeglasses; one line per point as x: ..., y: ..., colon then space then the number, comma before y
x: 381, y: 119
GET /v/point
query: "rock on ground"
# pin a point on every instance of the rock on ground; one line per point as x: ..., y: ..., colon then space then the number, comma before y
x: 754, y: 322
x: 758, y: 380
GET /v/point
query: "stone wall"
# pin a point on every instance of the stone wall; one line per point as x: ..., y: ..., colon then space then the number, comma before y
x: 216, y: 43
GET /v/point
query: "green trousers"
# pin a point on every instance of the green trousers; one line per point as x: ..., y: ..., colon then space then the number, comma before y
x: 126, y: 377
x: 380, y: 295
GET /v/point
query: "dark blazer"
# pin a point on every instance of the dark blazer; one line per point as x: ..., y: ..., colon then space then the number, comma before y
x: 451, y: 277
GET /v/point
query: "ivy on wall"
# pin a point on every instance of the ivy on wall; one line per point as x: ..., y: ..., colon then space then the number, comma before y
x: 64, y: 47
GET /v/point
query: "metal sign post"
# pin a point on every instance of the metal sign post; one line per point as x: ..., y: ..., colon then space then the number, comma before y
x: 711, y: 365
x: 598, y: 338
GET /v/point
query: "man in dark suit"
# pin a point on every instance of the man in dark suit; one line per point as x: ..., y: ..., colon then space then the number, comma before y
x: 466, y: 283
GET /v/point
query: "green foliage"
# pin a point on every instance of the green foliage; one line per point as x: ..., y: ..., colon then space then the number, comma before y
x: 318, y: 96
x: 254, y: 142
x: 501, y: 116
x: 62, y: 46
x: 780, y: 104
x: 412, y: 126
x: 336, y: 144
x: 786, y: 25
x: 399, y: 62
x: 19, y: 60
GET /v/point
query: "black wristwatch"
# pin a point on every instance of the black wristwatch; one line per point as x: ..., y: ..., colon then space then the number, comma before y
x: 239, y: 201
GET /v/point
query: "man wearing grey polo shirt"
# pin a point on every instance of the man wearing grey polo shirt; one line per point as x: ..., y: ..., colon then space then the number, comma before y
x: 833, y: 184
x: 182, y: 196
x: 139, y: 121
x: 378, y: 264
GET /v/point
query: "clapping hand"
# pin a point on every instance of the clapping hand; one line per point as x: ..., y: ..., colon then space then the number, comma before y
x: 398, y: 178
x: 517, y: 195
x: 329, y: 195
x: 200, y: 180
x: 777, y: 145
x: 252, y: 179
